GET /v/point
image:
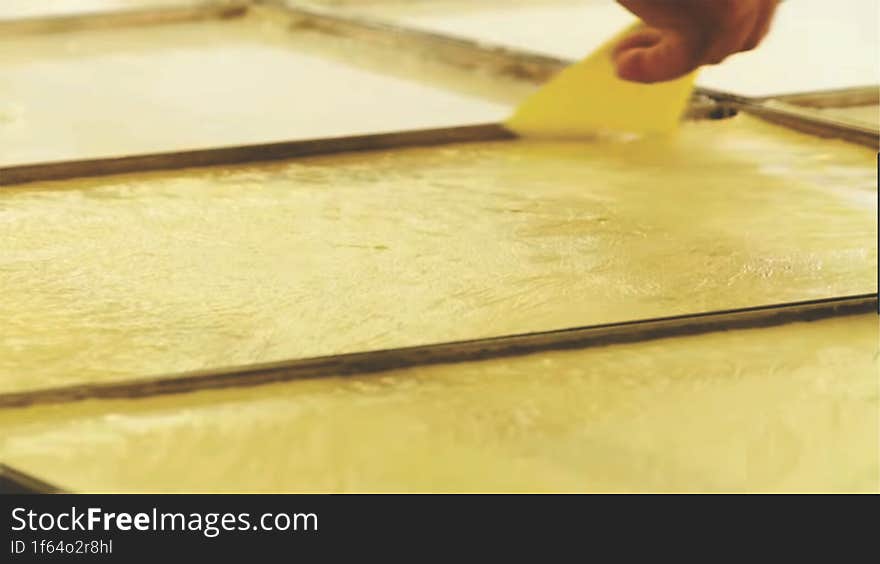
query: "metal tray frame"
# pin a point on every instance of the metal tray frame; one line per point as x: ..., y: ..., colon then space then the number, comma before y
x: 462, y: 54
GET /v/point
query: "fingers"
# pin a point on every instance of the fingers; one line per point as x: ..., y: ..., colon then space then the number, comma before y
x: 732, y: 33
x: 652, y: 55
x: 684, y: 36
x: 643, y: 38
x: 656, y: 14
x: 744, y: 27
x: 765, y: 18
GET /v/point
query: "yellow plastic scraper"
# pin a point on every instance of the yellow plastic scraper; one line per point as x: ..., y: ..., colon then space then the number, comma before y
x: 588, y: 98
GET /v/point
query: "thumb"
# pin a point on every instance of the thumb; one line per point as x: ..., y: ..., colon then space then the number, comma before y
x: 652, y: 55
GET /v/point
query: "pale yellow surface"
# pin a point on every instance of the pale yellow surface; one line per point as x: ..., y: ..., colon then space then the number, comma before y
x: 862, y: 115
x: 814, y: 45
x: 10, y: 9
x: 792, y: 408
x: 588, y: 98
x: 562, y: 28
x: 116, y: 92
x: 113, y: 278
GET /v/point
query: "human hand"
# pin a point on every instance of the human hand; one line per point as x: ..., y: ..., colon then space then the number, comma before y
x: 682, y: 35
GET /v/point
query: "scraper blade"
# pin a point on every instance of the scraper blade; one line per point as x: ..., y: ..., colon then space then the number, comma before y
x: 588, y: 98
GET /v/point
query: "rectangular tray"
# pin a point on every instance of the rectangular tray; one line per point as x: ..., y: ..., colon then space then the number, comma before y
x: 154, y: 274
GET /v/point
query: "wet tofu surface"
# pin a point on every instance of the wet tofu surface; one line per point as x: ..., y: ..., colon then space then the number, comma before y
x: 121, y: 277
x: 791, y: 408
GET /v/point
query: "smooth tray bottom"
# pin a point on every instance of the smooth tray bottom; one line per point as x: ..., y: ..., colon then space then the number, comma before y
x: 792, y: 408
